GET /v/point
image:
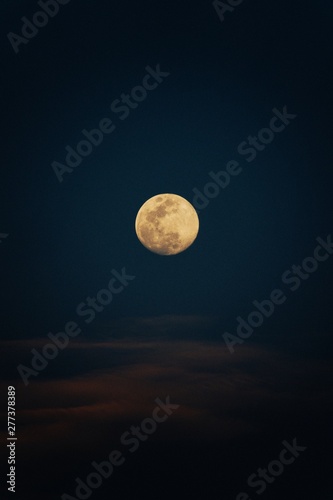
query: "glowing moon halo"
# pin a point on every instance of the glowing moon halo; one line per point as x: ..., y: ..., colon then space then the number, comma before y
x: 167, y: 224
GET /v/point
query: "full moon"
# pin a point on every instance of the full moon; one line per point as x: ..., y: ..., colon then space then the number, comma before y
x: 167, y: 224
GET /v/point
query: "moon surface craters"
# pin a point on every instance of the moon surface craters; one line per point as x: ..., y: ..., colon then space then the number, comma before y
x: 167, y: 224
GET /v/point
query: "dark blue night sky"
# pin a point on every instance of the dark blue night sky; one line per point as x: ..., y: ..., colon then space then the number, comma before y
x: 200, y: 90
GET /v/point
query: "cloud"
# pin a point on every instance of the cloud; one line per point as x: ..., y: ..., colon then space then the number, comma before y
x: 212, y: 387
x: 98, y: 388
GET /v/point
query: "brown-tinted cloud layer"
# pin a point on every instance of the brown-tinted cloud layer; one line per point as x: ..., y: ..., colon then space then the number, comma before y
x: 113, y: 384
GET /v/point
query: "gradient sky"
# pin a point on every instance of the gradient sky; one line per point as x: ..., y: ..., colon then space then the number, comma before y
x: 163, y: 334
